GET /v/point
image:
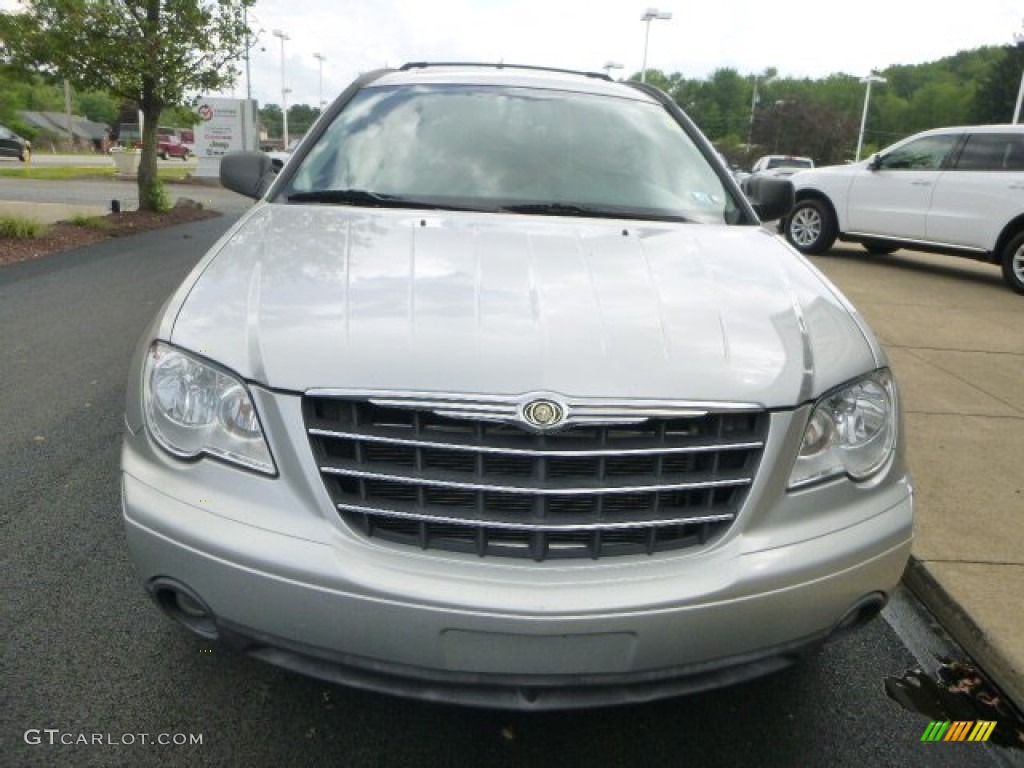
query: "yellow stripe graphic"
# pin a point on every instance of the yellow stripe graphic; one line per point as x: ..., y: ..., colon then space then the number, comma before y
x: 982, y: 730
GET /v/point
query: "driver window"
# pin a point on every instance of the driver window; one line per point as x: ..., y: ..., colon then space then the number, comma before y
x: 925, y: 154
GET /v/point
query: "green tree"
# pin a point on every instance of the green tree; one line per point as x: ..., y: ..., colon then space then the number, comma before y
x: 154, y: 52
x: 301, y: 117
x: 96, y: 106
x: 271, y: 119
x: 655, y: 77
x: 996, y: 95
x: 179, y: 117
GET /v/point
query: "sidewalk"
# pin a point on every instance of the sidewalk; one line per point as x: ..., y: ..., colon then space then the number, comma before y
x: 954, y: 333
x: 50, y: 213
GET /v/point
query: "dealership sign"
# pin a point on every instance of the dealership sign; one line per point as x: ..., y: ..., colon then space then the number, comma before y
x: 225, y: 125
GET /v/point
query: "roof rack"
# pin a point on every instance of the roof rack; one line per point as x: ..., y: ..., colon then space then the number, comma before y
x: 501, y: 65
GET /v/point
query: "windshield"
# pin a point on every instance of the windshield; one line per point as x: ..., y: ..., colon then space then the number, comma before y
x: 516, y: 149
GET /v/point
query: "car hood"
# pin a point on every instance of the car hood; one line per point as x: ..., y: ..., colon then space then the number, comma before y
x: 299, y: 297
x: 809, y: 176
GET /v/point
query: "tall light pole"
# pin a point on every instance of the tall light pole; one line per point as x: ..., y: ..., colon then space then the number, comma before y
x: 248, y: 48
x: 1018, y: 38
x: 872, y: 78
x: 650, y: 15
x: 321, y: 58
x: 67, y: 113
x: 609, y: 66
x: 284, y: 89
x: 753, y: 105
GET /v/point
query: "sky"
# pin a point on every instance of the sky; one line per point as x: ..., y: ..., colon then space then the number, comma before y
x: 799, y: 38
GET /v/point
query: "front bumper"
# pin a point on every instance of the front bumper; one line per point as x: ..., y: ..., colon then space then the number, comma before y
x: 320, y: 600
x: 509, y: 691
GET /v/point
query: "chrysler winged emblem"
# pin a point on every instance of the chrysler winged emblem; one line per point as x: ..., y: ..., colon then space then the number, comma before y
x: 543, y: 414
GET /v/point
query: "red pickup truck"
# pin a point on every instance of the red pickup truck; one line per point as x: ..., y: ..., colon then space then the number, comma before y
x: 171, y: 146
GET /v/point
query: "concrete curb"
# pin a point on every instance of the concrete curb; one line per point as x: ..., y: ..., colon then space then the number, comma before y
x: 955, y: 620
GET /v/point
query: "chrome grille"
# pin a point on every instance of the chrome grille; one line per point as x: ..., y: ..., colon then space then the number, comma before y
x: 636, y: 484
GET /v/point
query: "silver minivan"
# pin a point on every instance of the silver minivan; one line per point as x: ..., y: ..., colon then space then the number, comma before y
x: 501, y: 395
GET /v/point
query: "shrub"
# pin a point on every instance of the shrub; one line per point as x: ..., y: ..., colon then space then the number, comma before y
x: 21, y: 227
x: 90, y: 222
x: 159, y: 198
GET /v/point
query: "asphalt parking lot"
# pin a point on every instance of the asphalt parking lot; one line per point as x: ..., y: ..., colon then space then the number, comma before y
x: 87, y: 653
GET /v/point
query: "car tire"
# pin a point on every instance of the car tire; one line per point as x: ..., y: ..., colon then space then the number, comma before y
x: 162, y: 155
x: 1013, y: 263
x: 811, y: 226
x: 879, y: 248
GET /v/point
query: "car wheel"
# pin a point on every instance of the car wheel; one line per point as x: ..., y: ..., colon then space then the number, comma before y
x: 879, y: 248
x: 162, y: 155
x: 1013, y: 263
x: 811, y: 227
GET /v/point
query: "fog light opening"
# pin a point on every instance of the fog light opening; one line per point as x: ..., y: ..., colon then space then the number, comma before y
x: 185, y: 607
x: 861, y: 613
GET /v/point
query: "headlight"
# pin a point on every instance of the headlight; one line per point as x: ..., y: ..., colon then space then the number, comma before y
x: 193, y: 408
x: 851, y: 431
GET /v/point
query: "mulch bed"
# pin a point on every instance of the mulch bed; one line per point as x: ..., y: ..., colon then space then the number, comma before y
x: 64, y: 236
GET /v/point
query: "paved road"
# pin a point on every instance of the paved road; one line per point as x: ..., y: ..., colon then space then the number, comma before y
x: 86, y: 654
x: 41, y: 157
x: 47, y: 159
x: 94, y: 192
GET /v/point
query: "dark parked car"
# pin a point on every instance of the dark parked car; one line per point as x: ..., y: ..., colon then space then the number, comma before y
x: 13, y: 145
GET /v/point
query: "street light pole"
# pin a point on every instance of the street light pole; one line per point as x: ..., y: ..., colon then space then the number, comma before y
x: 1018, y: 38
x: 872, y: 78
x: 248, y: 48
x: 321, y: 58
x: 67, y: 112
x: 284, y: 90
x: 650, y: 15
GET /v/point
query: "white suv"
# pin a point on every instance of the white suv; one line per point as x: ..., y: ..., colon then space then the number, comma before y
x: 950, y: 190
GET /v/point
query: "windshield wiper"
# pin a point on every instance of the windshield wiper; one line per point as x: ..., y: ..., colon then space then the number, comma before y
x: 573, y: 209
x: 349, y: 196
x: 365, y: 198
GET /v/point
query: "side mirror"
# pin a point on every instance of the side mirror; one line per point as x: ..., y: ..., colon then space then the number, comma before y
x: 247, y: 173
x: 772, y: 197
x: 875, y: 162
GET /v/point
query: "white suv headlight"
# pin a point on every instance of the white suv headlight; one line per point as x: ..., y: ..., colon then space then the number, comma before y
x: 851, y: 431
x: 193, y: 408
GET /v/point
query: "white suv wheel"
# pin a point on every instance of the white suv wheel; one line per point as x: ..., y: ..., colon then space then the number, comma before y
x: 805, y: 227
x: 811, y: 227
x: 1013, y: 263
